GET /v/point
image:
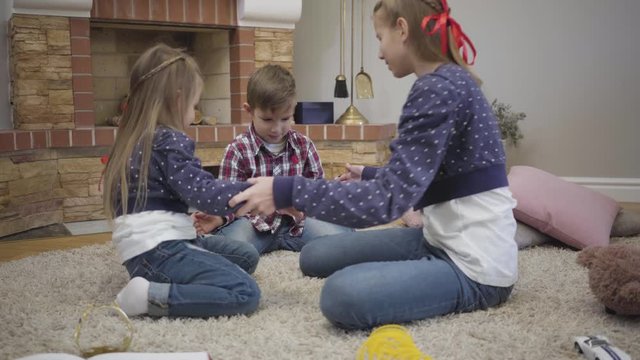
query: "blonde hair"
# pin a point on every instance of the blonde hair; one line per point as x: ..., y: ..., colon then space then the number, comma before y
x: 163, y: 82
x: 427, y: 47
x: 270, y: 87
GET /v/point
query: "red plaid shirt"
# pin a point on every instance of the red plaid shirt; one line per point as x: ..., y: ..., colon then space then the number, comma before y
x: 247, y: 157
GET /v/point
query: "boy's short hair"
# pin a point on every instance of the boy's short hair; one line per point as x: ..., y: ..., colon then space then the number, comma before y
x: 270, y: 87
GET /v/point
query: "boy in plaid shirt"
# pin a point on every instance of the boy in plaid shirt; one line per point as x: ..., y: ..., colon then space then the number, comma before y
x: 269, y: 147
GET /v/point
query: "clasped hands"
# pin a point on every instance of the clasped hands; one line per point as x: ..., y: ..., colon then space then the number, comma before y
x: 258, y: 200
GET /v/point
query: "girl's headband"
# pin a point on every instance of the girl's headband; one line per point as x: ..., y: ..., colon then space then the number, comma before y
x: 442, y: 22
x: 157, y: 69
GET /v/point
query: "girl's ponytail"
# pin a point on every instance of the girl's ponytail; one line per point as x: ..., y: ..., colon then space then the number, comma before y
x: 452, y: 38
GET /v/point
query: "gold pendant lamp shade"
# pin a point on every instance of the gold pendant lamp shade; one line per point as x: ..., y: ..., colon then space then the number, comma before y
x: 352, y: 116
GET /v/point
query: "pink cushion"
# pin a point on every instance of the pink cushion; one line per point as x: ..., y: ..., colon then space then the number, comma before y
x: 573, y: 214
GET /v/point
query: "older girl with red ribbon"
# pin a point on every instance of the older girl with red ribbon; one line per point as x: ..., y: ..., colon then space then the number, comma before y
x: 447, y: 162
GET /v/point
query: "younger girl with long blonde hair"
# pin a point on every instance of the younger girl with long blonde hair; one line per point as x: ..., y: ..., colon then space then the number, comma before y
x: 151, y: 180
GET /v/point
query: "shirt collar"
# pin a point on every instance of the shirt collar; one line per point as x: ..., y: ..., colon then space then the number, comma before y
x: 257, y: 142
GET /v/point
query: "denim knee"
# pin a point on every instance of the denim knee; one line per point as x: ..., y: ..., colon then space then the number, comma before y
x: 252, y: 257
x: 344, y: 305
x: 249, y: 299
x: 312, y: 261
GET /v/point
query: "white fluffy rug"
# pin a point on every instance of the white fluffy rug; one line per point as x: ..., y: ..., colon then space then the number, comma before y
x: 42, y: 297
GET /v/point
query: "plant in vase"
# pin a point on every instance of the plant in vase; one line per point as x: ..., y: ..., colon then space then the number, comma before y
x: 508, y: 121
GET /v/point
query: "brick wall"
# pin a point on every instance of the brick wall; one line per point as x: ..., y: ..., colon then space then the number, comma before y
x: 197, y: 12
x: 40, y: 61
x: 274, y: 46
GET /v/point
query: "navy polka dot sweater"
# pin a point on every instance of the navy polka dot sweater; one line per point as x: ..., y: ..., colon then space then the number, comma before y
x: 448, y: 146
x: 177, y: 180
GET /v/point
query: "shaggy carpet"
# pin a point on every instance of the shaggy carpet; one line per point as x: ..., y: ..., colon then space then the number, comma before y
x: 43, y: 296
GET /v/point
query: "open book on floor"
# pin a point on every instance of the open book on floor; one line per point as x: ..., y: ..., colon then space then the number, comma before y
x: 123, y: 356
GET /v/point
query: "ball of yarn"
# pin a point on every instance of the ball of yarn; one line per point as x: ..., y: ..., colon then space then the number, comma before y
x: 390, y: 342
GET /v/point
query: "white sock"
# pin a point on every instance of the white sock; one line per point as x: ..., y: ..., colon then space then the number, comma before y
x: 133, y: 298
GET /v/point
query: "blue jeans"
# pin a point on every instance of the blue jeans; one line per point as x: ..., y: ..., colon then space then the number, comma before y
x: 199, y: 278
x: 242, y: 229
x: 389, y: 276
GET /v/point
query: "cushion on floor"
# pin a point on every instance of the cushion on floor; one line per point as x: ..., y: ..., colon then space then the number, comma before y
x: 570, y: 213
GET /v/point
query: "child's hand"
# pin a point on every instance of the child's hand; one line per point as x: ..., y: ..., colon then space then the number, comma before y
x: 257, y: 199
x: 205, y: 223
x: 293, y: 212
x: 354, y: 173
x: 413, y: 218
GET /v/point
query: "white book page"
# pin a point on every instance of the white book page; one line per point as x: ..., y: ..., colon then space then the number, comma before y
x: 150, y: 356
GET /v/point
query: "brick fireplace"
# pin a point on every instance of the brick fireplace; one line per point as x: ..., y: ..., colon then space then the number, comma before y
x: 69, y: 73
x: 62, y: 66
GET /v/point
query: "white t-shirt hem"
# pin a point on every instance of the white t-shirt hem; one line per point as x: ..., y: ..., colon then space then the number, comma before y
x: 137, y: 233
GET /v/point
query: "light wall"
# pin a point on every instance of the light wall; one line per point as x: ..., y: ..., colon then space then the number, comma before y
x: 571, y: 66
x: 5, y: 108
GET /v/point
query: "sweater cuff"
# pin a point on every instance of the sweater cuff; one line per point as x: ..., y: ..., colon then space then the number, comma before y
x: 283, y: 191
x: 369, y: 172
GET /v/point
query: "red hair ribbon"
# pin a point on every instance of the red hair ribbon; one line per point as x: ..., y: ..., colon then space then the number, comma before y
x: 442, y: 21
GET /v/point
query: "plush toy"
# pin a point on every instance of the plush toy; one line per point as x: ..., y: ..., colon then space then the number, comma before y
x: 614, y: 276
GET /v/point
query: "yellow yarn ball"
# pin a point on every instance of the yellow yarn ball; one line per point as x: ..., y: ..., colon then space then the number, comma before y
x: 390, y: 342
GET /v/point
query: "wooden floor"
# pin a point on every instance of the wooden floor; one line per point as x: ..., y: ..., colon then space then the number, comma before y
x: 17, y: 249
x: 635, y: 207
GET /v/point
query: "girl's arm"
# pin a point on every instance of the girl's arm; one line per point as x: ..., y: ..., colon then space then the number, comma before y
x: 186, y: 178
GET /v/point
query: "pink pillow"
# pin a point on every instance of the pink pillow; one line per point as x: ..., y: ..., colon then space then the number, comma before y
x: 573, y: 214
